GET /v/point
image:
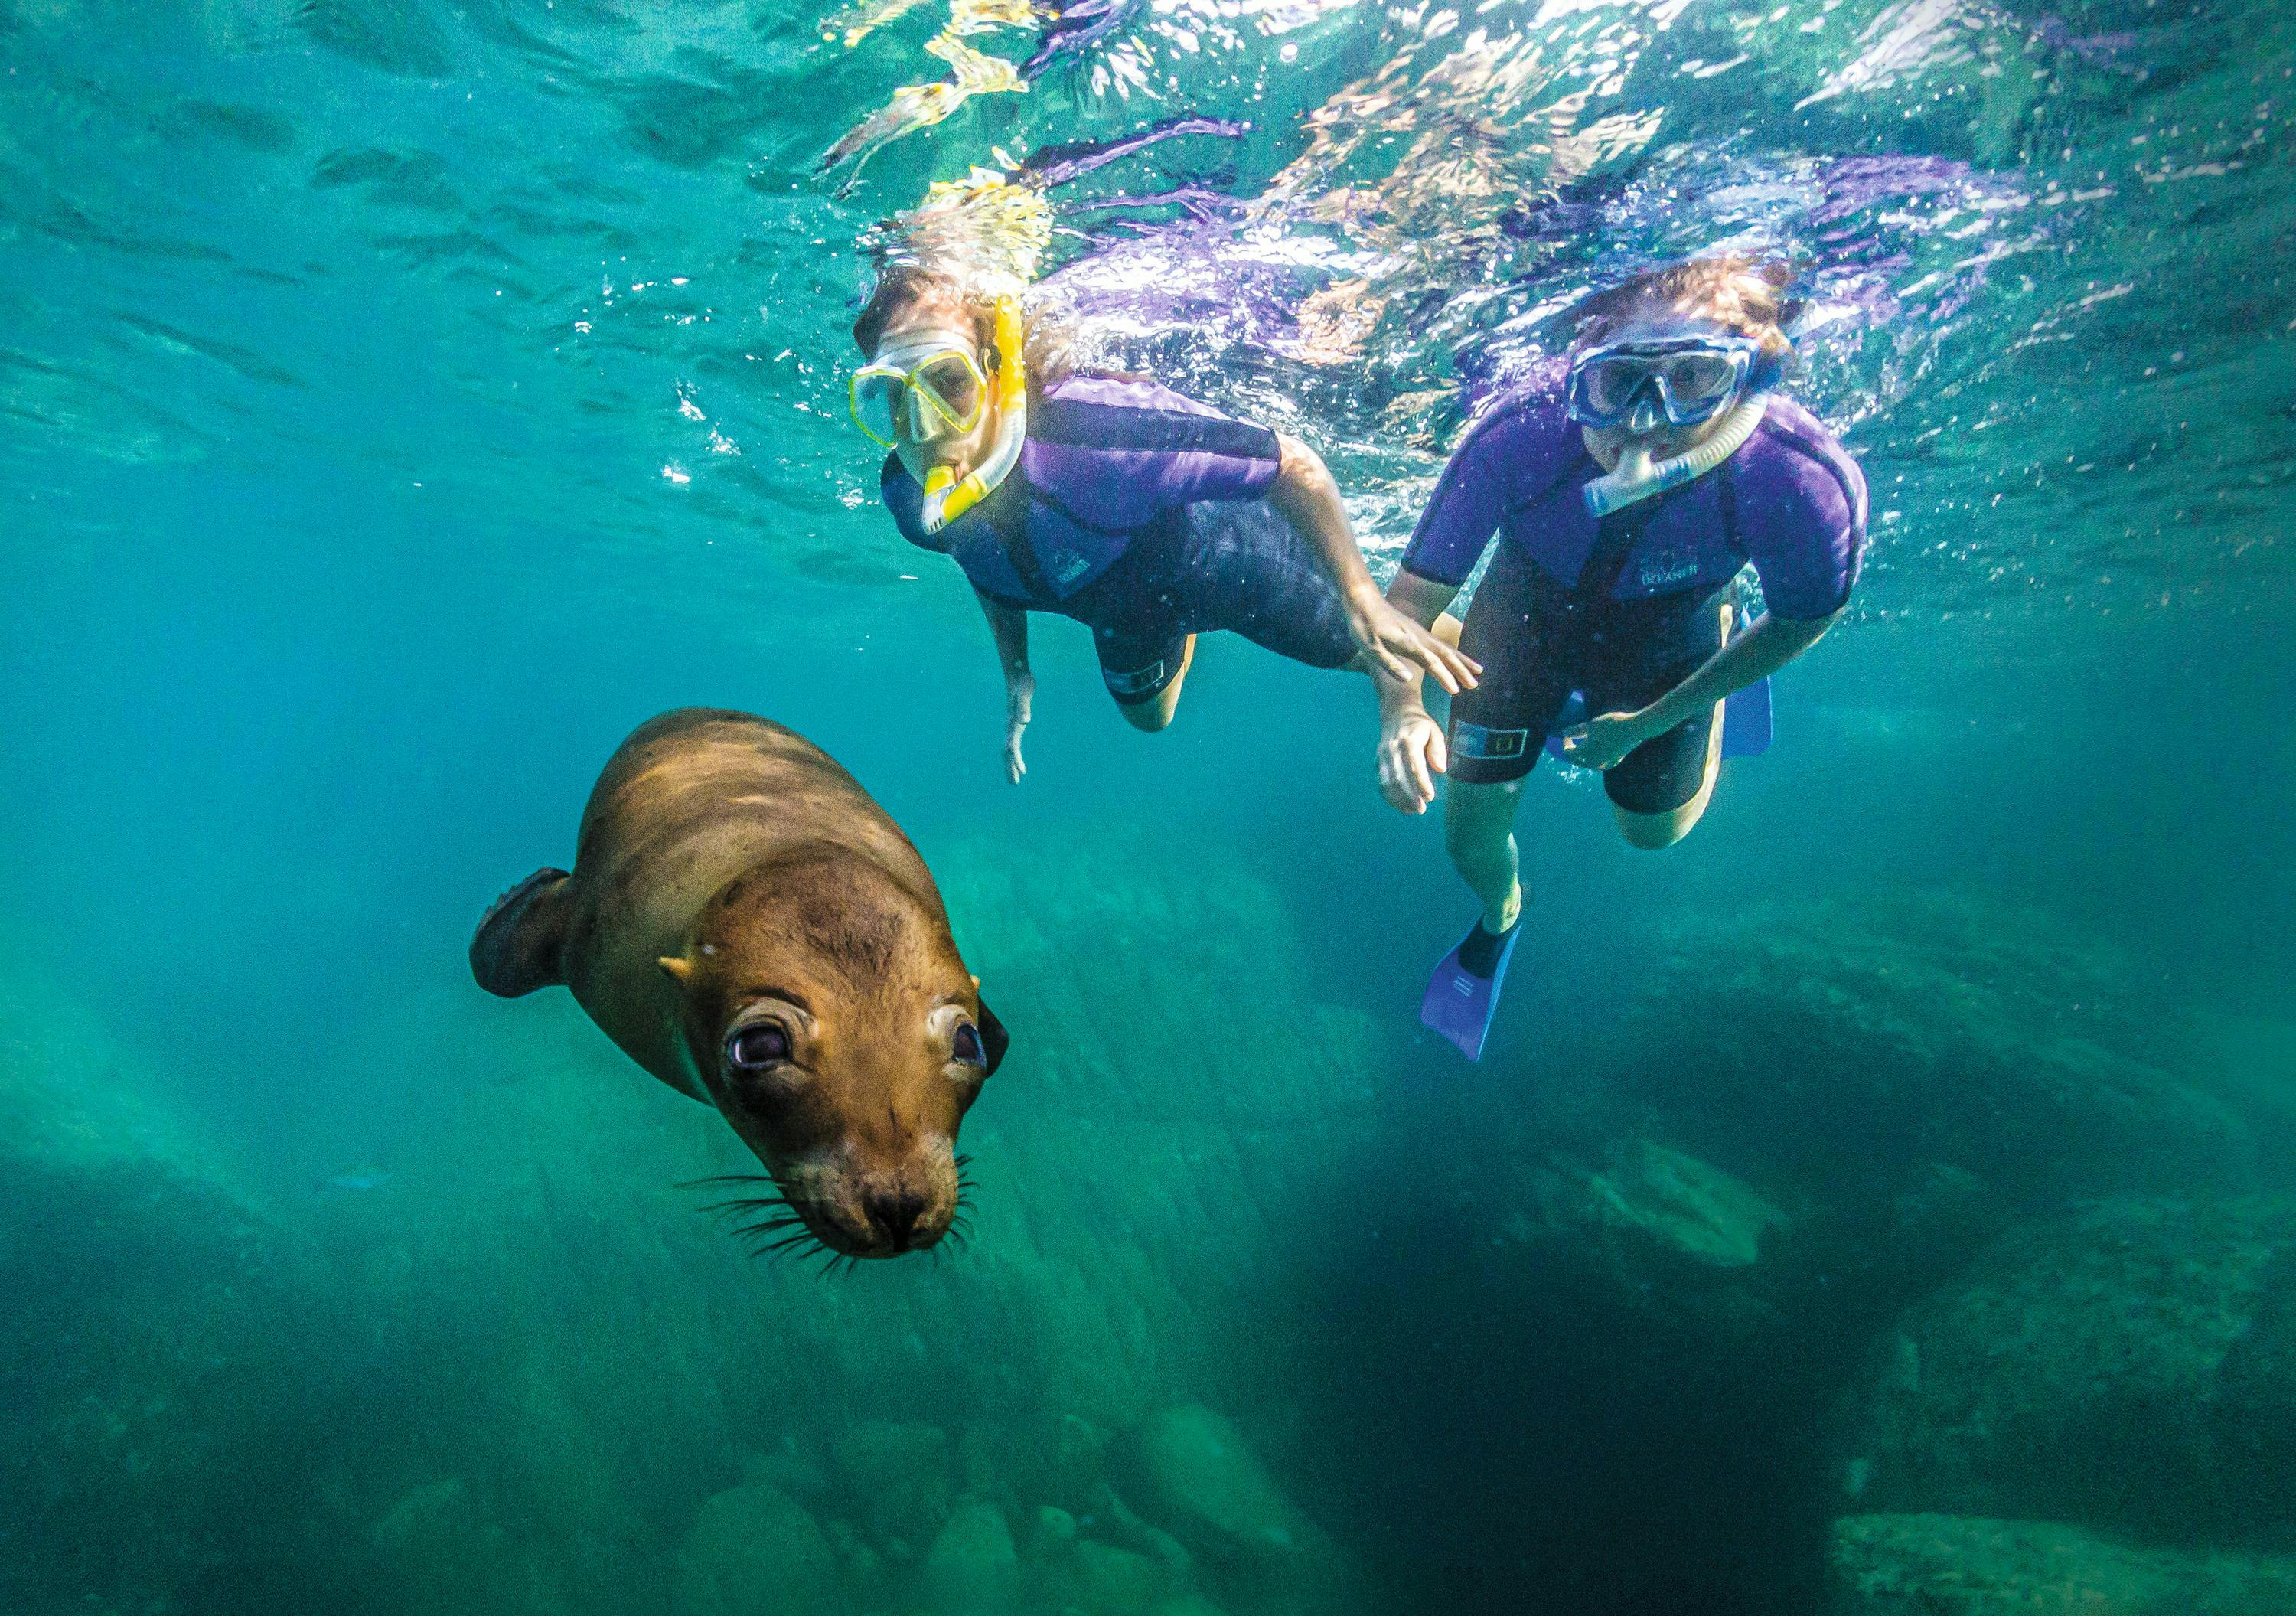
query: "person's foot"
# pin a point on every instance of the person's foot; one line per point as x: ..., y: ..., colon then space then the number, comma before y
x: 1479, y: 954
x: 1463, y: 994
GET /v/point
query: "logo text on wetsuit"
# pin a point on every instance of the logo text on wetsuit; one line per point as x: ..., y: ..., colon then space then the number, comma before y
x: 1669, y: 567
x: 1138, y: 680
x: 1473, y: 741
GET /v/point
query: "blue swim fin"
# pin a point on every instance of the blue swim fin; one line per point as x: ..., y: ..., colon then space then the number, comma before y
x: 1746, y: 721
x: 1459, y: 1005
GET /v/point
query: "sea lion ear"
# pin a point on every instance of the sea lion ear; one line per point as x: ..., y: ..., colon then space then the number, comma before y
x: 676, y: 970
x: 994, y: 1039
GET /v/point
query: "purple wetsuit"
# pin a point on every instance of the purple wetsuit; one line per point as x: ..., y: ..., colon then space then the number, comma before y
x: 1623, y: 610
x: 1140, y: 513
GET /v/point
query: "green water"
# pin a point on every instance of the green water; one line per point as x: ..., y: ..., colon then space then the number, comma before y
x: 1877, y: 1204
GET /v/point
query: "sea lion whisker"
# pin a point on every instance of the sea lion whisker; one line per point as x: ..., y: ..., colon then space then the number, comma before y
x: 796, y: 1248
x: 749, y: 1205
x: 703, y: 1184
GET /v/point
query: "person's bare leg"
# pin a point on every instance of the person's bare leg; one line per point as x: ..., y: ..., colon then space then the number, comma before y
x: 1479, y: 834
x: 1157, y: 714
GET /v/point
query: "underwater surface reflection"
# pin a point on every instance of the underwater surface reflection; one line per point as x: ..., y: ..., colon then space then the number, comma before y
x: 1876, y: 1205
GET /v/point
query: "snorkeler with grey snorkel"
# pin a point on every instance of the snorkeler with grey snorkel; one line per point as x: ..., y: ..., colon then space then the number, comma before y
x: 1629, y: 487
x: 1144, y: 514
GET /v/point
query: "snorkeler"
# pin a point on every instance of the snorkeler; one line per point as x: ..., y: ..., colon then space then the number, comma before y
x: 1145, y: 515
x: 1628, y: 489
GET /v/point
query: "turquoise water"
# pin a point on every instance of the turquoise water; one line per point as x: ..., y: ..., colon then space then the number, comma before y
x: 1877, y: 1201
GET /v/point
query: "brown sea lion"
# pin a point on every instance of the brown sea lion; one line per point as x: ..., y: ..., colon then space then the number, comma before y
x: 750, y: 926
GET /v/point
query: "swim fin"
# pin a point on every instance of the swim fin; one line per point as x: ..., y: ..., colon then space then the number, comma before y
x: 1459, y: 1005
x: 1746, y: 721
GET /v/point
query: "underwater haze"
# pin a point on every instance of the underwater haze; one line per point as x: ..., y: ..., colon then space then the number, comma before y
x: 1879, y: 1203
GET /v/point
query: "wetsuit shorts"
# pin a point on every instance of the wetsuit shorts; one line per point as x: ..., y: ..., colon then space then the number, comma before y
x: 1624, y: 655
x: 1233, y: 564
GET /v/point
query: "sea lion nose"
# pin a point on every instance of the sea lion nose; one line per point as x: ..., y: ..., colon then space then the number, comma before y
x: 894, y: 1213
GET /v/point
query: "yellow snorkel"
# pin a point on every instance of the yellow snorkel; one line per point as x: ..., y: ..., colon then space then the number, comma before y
x: 946, y: 498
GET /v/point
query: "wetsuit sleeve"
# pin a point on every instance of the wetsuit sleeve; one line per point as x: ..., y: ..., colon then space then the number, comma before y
x: 1468, y: 500
x: 1803, y: 526
x: 1116, y: 453
x: 907, y: 501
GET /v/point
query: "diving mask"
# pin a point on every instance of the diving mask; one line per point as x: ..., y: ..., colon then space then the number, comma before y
x: 925, y: 387
x: 946, y: 495
x: 1678, y: 382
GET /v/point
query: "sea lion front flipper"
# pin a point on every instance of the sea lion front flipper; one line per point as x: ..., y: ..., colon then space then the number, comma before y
x: 517, y: 946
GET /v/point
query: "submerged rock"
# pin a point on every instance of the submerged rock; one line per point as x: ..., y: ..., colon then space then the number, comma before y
x: 1951, y: 1565
x: 901, y: 1478
x: 973, y: 1569
x: 2132, y: 1366
x: 1194, y: 1474
x: 1855, y: 1050
x: 755, y: 1548
x: 442, y: 1555
x: 1111, y: 1581
x: 1200, y: 1479
x: 1052, y: 1533
x: 1656, y: 1208
x: 1683, y: 1207
x: 174, y: 1383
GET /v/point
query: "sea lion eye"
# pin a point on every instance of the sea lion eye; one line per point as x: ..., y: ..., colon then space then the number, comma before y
x: 968, y: 1047
x: 757, y: 1045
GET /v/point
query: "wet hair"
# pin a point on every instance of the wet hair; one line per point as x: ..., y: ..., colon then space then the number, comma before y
x: 1740, y: 294
x: 1045, y: 339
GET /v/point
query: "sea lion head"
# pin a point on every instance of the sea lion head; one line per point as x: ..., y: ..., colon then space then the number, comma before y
x: 828, y: 1015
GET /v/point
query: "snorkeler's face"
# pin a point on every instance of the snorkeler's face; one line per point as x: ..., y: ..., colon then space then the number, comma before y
x: 1659, y: 437
x: 960, y: 451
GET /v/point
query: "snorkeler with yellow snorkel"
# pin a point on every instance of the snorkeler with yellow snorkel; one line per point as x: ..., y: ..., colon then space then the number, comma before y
x: 1628, y: 486
x: 1142, y: 513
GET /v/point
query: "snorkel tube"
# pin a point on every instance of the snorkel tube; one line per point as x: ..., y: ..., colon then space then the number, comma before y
x: 946, y: 498
x: 1638, y: 477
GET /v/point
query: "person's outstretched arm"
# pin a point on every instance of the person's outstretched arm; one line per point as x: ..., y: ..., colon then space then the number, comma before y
x: 1754, y: 655
x: 1392, y: 644
x: 1009, y: 626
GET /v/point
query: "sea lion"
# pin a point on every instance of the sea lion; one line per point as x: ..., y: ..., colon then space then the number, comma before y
x: 746, y: 924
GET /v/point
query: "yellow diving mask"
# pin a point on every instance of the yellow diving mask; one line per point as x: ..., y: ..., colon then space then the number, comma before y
x: 925, y: 387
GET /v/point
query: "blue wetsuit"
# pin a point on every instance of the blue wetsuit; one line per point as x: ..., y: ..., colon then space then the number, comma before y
x: 1542, y: 625
x: 1141, y: 513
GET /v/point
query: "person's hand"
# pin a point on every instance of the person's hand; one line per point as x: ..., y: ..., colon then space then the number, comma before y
x: 1019, y: 688
x: 1602, y: 742
x: 1411, y: 754
x: 1403, y: 650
